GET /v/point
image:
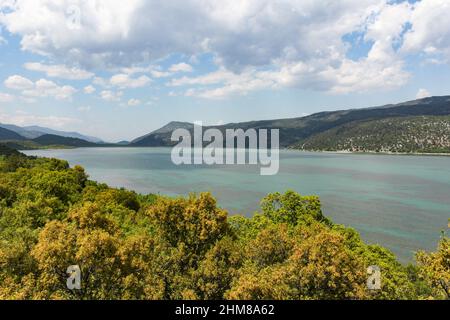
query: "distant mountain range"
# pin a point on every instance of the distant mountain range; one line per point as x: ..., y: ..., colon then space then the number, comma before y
x: 34, y: 137
x: 329, y: 130
x: 6, y: 134
x: 415, y: 126
x: 33, y: 132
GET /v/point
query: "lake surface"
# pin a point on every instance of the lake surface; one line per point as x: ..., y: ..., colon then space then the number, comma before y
x: 401, y: 202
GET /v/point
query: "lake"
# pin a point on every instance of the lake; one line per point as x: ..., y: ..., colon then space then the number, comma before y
x: 401, y: 202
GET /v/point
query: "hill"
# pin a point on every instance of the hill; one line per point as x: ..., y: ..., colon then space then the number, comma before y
x: 6, y: 134
x: 64, y: 134
x: 54, y: 140
x: 32, y: 132
x: 29, y: 134
x: 7, y: 151
x: 424, y: 134
x: 295, y: 132
x: 161, y: 137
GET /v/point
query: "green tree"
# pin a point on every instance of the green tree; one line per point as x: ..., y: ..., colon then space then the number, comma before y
x: 434, y: 268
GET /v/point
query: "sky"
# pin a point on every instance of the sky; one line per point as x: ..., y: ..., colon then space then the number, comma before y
x: 120, y: 69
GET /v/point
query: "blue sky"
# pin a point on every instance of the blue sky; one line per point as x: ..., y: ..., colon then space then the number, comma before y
x: 117, y: 71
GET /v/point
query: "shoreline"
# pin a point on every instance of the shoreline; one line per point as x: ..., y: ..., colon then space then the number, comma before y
x: 437, y: 154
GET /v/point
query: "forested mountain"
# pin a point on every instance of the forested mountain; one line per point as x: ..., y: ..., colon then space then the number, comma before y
x: 76, y: 135
x: 424, y: 134
x: 29, y: 134
x: 32, y: 132
x: 161, y: 137
x: 20, y: 138
x: 6, y: 134
x: 54, y: 140
x: 415, y: 126
x: 296, y: 132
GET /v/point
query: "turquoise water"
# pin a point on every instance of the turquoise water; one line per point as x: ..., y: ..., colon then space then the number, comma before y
x: 401, y: 202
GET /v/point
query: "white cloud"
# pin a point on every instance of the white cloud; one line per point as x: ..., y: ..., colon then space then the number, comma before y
x: 125, y: 81
x: 181, y: 67
x: 134, y: 102
x: 154, y: 71
x: 159, y: 74
x: 244, y: 33
x: 89, y: 89
x: 347, y: 77
x: 215, y: 77
x: 22, y: 118
x: 259, y: 43
x: 59, y: 71
x: 99, y: 81
x: 44, y: 88
x: 84, y: 108
x: 231, y: 84
x: 423, y: 93
x: 40, y: 89
x: 5, y: 97
x: 111, y: 96
x: 28, y: 100
x: 136, y: 69
x: 17, y: 82
x: 430, y: 30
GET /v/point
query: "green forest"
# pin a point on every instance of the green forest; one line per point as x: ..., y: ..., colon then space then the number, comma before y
x: 133, y: 246
x: 423, y: 134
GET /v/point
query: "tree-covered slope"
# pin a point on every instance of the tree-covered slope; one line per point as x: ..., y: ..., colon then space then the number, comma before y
x: 6, y: 134
x: 424, y: 134
x: 54, y: 140
x: 294, y: 131
x: 7, y: 151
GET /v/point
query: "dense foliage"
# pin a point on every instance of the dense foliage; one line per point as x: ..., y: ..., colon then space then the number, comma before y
x: 425, y: 134
x: 131, y: 246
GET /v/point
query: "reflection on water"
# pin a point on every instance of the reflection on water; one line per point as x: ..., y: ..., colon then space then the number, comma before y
x: 402, y: 202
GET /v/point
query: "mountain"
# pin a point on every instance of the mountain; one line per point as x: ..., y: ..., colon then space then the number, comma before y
x: 6, y: 134
x: 54, y: 140
x: 415, y: 126
x: 77, y: 135
x: 422, y: 134
x: 29, y: 134
x: 32, y: 132
x: 161, y: 137
x: 295, y: 132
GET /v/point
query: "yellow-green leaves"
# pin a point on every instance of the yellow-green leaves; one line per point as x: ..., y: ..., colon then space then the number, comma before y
x: 435, y: 269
